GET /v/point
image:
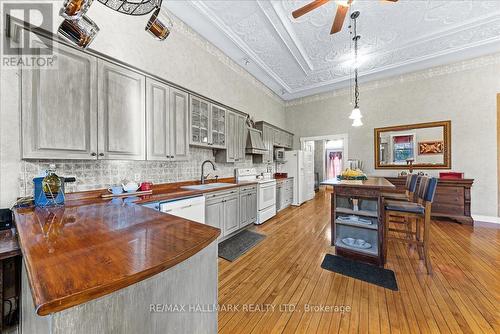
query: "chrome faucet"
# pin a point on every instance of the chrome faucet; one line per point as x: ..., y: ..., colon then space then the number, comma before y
x: 203, y: 176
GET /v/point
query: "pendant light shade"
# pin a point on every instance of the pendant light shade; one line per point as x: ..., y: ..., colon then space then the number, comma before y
x: 357, y: 122
x: 356, y: 114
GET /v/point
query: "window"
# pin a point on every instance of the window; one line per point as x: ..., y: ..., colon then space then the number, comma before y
x: 403, y: 148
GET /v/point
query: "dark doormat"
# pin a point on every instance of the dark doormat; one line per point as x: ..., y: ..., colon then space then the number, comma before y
x: 362, y: 271
x: 237, y: 245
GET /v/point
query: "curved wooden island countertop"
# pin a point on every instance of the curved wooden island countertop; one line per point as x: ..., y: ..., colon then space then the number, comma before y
x: 89, y: 248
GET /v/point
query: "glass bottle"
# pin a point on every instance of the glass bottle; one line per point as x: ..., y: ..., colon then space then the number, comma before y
x: 51, y: 183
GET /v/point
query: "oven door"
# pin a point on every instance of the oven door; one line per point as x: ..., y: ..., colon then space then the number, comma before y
x: 267, y: 195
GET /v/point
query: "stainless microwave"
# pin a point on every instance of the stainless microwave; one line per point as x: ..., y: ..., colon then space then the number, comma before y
x: 279, y: 154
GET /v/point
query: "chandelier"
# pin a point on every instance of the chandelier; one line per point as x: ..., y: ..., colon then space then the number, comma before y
x: 80, y: 30
x: 132, y: 7
x: 356, y: 112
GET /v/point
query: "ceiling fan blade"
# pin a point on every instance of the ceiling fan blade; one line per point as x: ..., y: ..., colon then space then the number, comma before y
x: 391, y: 0
x: 307, y: 8
x: 339, y: 19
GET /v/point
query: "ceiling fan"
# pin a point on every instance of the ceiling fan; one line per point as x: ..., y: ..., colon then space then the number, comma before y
x: 342, y: 8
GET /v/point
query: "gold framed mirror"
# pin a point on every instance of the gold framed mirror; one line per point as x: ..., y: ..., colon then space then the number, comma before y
x: 423, y: 145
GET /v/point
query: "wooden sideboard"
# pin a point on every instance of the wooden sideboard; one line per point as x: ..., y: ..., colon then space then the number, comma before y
x: 452, y: 200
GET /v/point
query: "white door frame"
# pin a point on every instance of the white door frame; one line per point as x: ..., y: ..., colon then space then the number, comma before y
x: 343, y: 136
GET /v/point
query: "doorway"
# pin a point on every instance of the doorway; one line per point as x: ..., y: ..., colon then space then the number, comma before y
x: 334, y: 158
x: 330, y: 154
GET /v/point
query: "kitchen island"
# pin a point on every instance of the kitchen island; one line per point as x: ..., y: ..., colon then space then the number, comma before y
x: 357, y: 214
x: 113, y: 266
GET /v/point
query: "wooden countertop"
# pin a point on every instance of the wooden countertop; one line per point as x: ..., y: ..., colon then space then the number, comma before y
x: 372, y: 183
x: 91, y: 247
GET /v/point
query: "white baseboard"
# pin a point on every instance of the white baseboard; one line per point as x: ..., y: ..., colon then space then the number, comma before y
x: 486, y: 219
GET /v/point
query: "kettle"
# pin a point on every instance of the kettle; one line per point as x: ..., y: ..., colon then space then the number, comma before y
x: 130, y: 187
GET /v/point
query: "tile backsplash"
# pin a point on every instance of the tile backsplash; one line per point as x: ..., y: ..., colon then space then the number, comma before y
x: 98, y: 174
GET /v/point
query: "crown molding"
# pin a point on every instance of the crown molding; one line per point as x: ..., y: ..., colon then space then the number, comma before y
x: 297, y: 75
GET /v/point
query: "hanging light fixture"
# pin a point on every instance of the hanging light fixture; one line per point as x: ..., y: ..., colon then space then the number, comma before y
x: 132, y: 7
x: 81, y: 30
x: 356, y: 112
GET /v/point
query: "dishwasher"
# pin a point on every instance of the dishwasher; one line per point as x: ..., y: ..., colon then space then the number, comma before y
x: 192, y: 208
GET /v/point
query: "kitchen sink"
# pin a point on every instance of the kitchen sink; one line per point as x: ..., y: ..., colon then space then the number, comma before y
x: 207, y: 186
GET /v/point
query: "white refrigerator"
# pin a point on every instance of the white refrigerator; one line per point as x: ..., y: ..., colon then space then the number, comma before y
x: 300, y: 166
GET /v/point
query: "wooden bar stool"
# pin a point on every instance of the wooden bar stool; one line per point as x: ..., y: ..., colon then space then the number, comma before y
x: 410, y: 187
x: 409, y: 196
x: 421, y: 212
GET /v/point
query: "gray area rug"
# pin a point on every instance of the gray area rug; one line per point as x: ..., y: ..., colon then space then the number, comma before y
x: 237, y: 245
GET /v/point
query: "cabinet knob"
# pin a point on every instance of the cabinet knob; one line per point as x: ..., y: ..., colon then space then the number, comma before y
x: 93, y: 154
x: 101, y: 154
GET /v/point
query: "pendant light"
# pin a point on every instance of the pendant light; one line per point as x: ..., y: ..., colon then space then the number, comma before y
x: 356, y: 112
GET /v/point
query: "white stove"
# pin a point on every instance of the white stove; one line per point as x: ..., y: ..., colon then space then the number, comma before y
x: 266, y: 191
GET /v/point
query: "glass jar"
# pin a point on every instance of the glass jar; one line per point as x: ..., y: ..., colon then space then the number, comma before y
x: 51, y: 183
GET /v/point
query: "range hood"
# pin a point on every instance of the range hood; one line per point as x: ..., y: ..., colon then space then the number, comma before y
x: 255, y: 144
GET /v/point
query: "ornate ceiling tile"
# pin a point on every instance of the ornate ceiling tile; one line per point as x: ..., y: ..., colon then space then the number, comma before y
x: 298, y: 57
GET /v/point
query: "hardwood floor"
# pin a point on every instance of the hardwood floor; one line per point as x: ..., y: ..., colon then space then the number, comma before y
x: 462, y: 295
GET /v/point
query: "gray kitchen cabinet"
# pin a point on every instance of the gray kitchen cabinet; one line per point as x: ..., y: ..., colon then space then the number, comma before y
x: 277, y: 138
x: 272, y: 136
x: 289, y: 141
x: 283, y: 138
x: 240, y: 137
x: 218, y: 126
x: 222, y: 210
x: 236, y: 139
x: 230, y: 154
x: 208, y: 124
x: 214, y: 213
x: 268, y: 139
x: 231, y: 214
x: 59, y: 107
x: 200, y: 114
x: 167, y: 125
x: 284, y: 193
x: 179, y: 118
x: 121, y: 112
x: 248, y: 206
x: 280, y: 192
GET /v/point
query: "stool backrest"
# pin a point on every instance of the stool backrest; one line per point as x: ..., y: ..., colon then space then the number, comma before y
x: 430, y: 190
x: 413, y: 183
x: 422, y: 186
x: 408, y: 181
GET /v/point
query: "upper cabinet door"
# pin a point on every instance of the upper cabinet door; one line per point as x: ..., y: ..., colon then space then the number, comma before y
x: 158, y: 120
x: 241, y: 138
x: 122, y: 112
x: 200, y: 114
x: 218, y: 128
x: 268, y: 136
x: 179, y: 125
x: 231, y: 135
x: 59, y: 107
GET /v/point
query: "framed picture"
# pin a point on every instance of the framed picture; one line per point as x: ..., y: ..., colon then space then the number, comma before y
x: 431, y: 147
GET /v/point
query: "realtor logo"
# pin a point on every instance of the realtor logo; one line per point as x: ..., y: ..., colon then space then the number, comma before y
x: 22, y: 47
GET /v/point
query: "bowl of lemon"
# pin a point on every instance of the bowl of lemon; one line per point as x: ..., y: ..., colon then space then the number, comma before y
x: 352, y: 174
